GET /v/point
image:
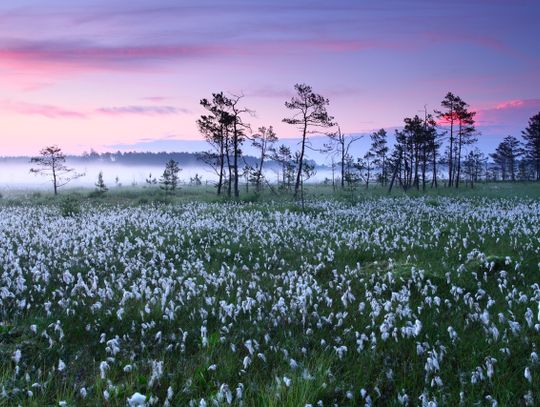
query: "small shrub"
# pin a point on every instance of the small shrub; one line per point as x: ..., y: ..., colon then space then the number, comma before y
x: 250, y: 198
x: 162, y: 200
x: 96, y: 194
x: 69, y: 207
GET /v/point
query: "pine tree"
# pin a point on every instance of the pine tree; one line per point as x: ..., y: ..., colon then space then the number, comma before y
x: 531, y: 136
x: 101, y: 188
x: 151, y: 180
x: 472, y: 166
x: 461, y: 132
x: 169, y: 179
x: 310, y: 111
x: 506, y: 155
x: 466, y: 134
x: 379, y: 149
x: 284, y: 156
x: 216, y: 128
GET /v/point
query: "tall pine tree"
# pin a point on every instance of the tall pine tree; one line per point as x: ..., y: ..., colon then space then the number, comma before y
x: 531, y: 149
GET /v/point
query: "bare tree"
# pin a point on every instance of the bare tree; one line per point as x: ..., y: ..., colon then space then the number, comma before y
x: 340, y: 145
x: 52, y: 163
x: 310, y: 111
x: 263, y: 141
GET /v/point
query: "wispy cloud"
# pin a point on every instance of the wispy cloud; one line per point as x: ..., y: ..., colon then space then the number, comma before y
x: 142, y: 110
x: 513, y: 112
x: 61, y: 57
x: 155, y: 99
x: 33, y: 109
x: 53, y: 112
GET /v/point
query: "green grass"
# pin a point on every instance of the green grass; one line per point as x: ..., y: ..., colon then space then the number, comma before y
x: 169, y: 260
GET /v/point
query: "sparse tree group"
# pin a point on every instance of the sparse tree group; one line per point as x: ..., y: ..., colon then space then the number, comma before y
x: 429, y: 151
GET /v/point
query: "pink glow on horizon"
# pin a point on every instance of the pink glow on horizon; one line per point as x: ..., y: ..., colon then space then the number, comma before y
x: 94, y: 74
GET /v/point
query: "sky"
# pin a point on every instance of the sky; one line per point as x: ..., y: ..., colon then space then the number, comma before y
x: 129, y: 74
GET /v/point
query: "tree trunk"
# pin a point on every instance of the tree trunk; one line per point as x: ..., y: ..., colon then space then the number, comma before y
x: 460, y: 143
x: 229, y: 181
x: 221, y: 168
x: 235, y: 146
x: 416, y: 165
x: 55, y: 182
x: 342, y: 163
x: 301, y: 163
x: 333, y: 176
x: 434, y: 179
x: 259, y: 174
x: 450, y: 150
x: 397, y: 168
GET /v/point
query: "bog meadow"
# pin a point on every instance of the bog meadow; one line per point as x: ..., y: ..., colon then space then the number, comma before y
x: 142, y: 298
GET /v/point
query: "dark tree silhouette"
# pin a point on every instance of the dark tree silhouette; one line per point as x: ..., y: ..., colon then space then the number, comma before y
x: 379, y: 150
x: 224, y: 130
x: 531, y: 135
x: 415, y: 147
x: 466, y: 134
x: 473, y: 164
x: 215, y: 127
x: 52, y: 163
x: 458, y: 117
x: 449, y: 117
x: 506, y: 155
x: 238, y: 135
x: 310, y: 111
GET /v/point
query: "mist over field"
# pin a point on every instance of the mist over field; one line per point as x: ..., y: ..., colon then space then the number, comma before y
x: 17, y: 176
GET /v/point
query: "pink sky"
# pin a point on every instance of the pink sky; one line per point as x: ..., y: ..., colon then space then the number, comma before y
x: 96, y: 74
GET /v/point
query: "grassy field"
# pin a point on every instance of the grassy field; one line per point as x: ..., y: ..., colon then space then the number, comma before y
x: 140, y: 298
